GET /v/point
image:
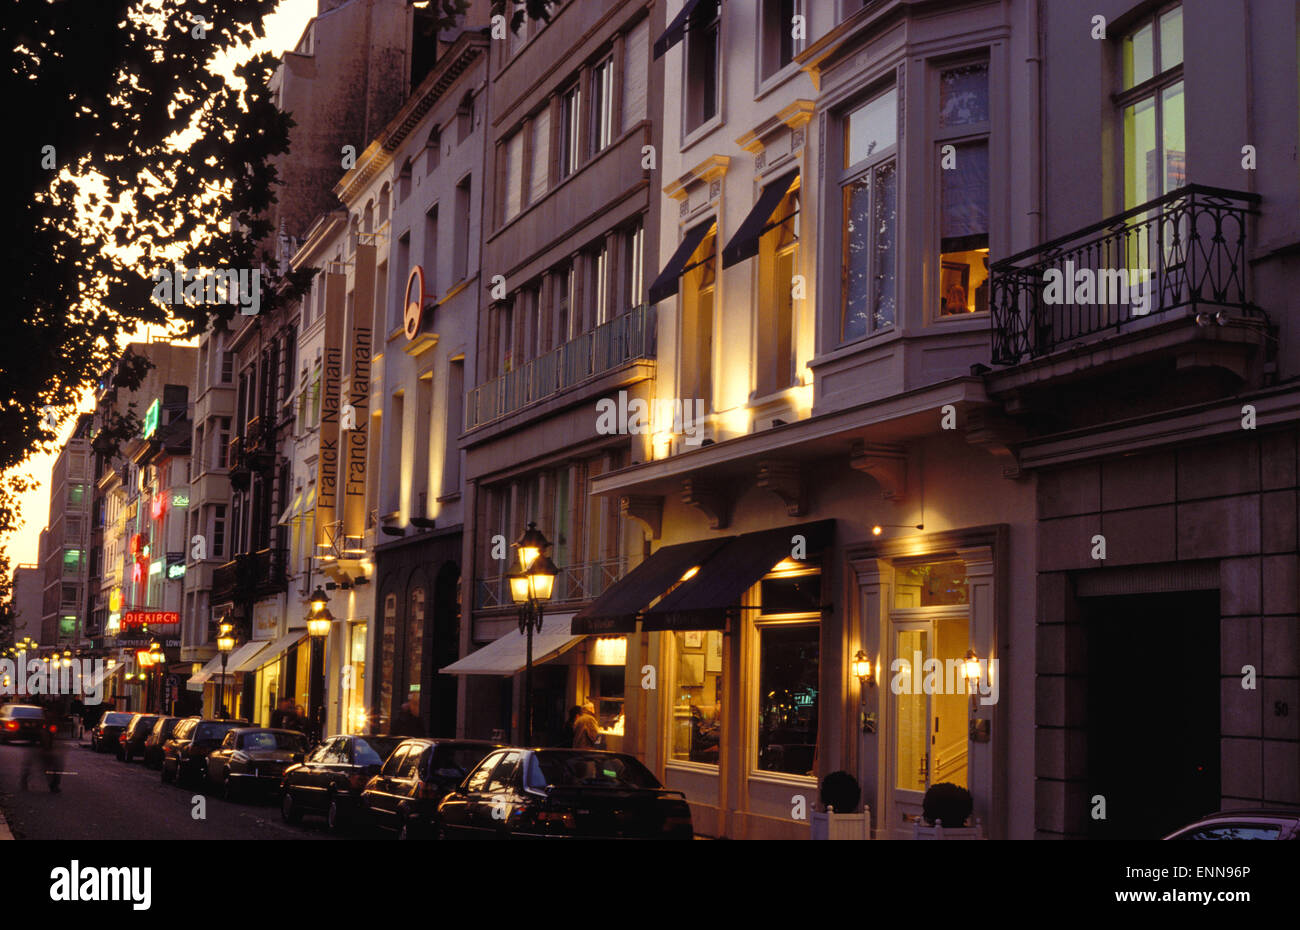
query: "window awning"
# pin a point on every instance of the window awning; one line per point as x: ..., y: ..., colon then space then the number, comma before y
x: 508, y: 655
x: 676, y: 29
x: 744, y: 244
x: 617, y: 609
x: 293, y: 512
x: 666, y: 284
x: 244, y: 659
x: 201, y: 677
x: 703, y: 602
x: 273, y: 652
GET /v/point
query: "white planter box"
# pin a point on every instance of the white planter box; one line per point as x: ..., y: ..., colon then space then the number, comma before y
x: 831, y: 826
x: 920, y: 831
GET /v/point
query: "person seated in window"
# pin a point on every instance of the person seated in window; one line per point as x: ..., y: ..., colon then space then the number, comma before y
x: 955, y: 300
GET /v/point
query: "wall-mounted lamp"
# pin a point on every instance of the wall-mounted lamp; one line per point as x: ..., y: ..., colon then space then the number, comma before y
x: 862, y: 669
x: 880, y: 527
x: 864, y: 672
x: 972, y: 671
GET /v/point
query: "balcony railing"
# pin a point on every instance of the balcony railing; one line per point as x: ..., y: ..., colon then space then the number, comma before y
x: 1185, y: 250
x: 623, y: 339
x: 250, y: 575
x: 574, y: 584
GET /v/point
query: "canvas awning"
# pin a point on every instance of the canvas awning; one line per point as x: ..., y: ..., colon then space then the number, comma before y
x: 666, y: 284
x: 200, y: 678
x: 508, y: 654
x: 273, y: 652
x: 703, y: 602
x: 676, y: 29
x: 245, y: 658
x: 293, y: 512
x: 744, y: 244
x: 616, y: 610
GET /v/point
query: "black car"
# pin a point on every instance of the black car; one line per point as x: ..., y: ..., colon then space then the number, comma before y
x: 1244, y: 824
x: 22, y: 722
x: 107, y: 733
x: 253, y: 758
x: 185, y: 754
x: 331, y: 778
x: 404, y: 795
x: 153, y: 743
x: 131, y: 742
x: 537, y: 793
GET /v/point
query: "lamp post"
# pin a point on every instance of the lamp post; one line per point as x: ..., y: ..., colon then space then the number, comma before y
x: 530, y: 589
x: 225, y: 645
x: 319, y: 623
x: 156, y: 659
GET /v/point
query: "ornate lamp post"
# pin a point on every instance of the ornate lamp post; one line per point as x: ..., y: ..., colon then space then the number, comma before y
x: 530, y: 589
x: 319, y: 623
x: 225, y: 645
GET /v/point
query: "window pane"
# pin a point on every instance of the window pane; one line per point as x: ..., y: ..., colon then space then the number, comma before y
x: 931, y: 585
x: 871, y: 128
x: 964, y: 225
x: 787, y: 698
x: 912, y: 726
x: 1139, y: 57
x: 697, y: 697
x: 1175, y: 141
x: 795, y: 595
x: 857, y: 258
x: 1171, y: 39
x: 964, y: 95
x: 886, y: 219
x: 1141, y: 181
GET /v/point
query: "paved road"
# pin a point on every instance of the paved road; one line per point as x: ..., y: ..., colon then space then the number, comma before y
x: 102, y: 798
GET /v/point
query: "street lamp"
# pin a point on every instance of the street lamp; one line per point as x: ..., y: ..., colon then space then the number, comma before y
x: 225, y: 645
x: 319, y: 623
x: 156, y: 659
x: 530, y: 589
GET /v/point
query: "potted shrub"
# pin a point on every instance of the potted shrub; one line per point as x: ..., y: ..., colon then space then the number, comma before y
x: 946, y: 808
x: 839, y: 817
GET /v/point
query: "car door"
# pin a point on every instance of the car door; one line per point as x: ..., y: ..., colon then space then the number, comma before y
x: 309, y: 782
x: 500, y: 795
x: 459, y: 810
x: 407, y: 777
x: 380, y: 796
x: 220, y: 758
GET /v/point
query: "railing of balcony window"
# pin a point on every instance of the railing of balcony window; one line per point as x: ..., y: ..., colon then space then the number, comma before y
x: 1185, y: 250
x: 625, y: 338
x: 583, y: 581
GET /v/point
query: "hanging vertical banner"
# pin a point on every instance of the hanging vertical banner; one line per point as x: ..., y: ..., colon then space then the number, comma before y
x: 363, y: 312
x: 328, y: 458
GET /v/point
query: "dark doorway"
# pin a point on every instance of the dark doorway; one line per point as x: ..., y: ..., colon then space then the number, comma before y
x: 550, y: 704
x: 1153, y: 711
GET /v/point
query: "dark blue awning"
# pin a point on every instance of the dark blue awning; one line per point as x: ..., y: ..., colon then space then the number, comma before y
x: 744, y: 244
x: 676, y: 29
x: 665, y: 285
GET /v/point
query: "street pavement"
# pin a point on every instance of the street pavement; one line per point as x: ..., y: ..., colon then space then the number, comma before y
x: 102, y: 798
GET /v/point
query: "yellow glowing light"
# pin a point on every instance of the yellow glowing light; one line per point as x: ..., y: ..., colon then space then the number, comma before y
x: 609, y: 650
x: 877, y: 530
x: 691, y: 573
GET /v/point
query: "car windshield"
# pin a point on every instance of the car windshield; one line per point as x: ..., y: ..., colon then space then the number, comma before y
x: 595, y: 768
x: 214, y: 730
x: 27, y: 712
x: 267, y: 741
x: 373, y: 750
x: 116, y: 720
x: 144, y: 723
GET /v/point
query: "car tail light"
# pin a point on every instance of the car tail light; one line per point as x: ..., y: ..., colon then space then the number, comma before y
x: 54, y: 728
x: 11, y: 724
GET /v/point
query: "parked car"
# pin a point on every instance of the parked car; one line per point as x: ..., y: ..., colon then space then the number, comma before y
x: 330, y: 780
x: 22, y: 722
x: 104, y: 737
x: 1247, y: 824
x: 586, y: 793
x: 185, y: 754
x: 131, y: 742
x: 254, y: 758
x: 153, y: 743
x: 404, y: 795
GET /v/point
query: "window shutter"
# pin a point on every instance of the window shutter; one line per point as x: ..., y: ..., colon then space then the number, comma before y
x: 541, y: 155
x: 636, y: 73
x: 514, y: 174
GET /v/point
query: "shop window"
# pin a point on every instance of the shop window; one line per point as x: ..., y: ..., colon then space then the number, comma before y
x: 607, y: 688
x: 788, y: 697
x: 869, y: 218
x: 1151, y: 103
x: 931, y: 584
x: 791, y: 594
x: 696, y: 693
x: 962, y: 151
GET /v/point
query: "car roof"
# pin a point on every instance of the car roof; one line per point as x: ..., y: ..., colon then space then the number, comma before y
x: 242, y: 730
x: 28, y: 706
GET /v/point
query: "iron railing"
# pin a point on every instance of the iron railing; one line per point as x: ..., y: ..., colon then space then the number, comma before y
x: 625, y: 338
x: 1185, y: 250
x: 584, y: 581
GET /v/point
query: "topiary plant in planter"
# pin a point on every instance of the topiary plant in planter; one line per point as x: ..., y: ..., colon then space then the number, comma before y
x: 840, y: 793
x: 948, y: 803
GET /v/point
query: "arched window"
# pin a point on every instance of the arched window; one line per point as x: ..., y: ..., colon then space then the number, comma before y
x: 433, y: 150
x: 404, y: 181
x: 385, y: 195
x: 368, y: 224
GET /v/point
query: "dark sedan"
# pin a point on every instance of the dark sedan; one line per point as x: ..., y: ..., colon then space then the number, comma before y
x: 105, y: 736
x: 331, y: 778
x: 538, y: 793
x: 153, y: 743
x: 405, y: 794
x: 252, y: 759
x: 1243, y: 824
x: 185, y: 754
x: 22, y: 721
x: 131, y: 742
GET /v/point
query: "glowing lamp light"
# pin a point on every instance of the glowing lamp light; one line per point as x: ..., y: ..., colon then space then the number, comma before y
x: 971, y: 667
x: 691, y: 573
x: 319, y: 625
x: 609, y: 650
x: 530, y: 546
x: 225, y: 638
x: 862, y: 667
x: 318, y: 600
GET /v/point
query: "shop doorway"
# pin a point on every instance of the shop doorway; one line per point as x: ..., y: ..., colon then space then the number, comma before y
x: 1152, y: 711
x: 550, y: 703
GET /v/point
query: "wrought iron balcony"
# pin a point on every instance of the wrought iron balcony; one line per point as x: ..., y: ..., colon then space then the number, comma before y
x: 1183, y: 251
x: 250, y: 575
x: 625, y: 338
x: 575, y: 584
